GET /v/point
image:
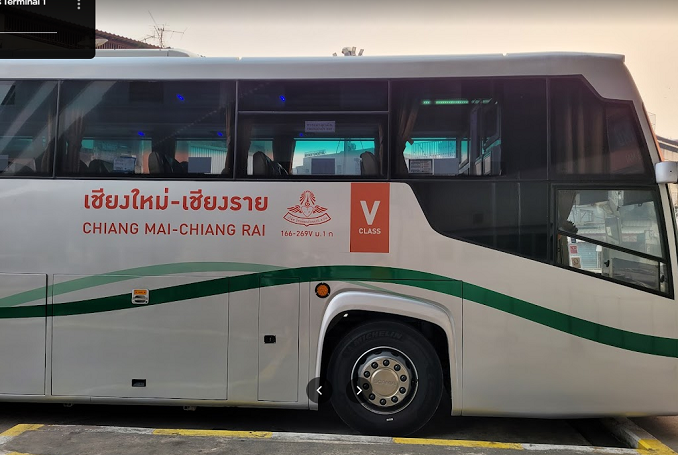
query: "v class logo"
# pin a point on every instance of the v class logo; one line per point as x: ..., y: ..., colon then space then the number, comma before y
x: 370, y: 217
x: 370, y: 214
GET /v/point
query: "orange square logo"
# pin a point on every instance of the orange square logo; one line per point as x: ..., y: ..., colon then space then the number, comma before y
x: 370, y: 217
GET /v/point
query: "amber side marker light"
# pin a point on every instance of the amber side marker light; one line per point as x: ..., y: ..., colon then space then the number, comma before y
x: 322, y: 290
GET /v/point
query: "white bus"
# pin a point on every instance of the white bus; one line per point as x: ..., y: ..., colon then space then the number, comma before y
x: 391, y: 234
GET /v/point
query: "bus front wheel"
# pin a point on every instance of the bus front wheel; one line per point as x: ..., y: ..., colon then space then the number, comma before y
x: 387, y: 379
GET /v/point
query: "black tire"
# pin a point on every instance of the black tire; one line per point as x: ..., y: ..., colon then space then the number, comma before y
x: 384, y: 338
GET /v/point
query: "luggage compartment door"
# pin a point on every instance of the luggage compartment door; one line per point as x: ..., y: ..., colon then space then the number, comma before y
x: 23, y: 305
x: 278, y: 340
x: 141, y: 337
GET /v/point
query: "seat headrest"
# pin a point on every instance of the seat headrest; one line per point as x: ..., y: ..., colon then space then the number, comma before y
x: 369, y: 164
x: 155, y: 163
x: 97, y: 167
x: 159, y: 163
x: 263, y: 165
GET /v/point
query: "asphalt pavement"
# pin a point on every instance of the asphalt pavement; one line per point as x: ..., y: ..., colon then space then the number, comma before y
x: 50, y: 429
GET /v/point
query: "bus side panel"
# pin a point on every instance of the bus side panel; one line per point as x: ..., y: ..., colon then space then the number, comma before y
x: 167, y: 348
x: 514, y: 366
x: 22, y: 351
x: 279, y: 356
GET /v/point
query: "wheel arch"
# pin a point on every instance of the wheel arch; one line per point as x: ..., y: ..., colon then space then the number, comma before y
x: 379, y: 306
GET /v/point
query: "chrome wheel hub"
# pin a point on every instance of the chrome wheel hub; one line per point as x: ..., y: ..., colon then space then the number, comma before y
x: 386, y: 378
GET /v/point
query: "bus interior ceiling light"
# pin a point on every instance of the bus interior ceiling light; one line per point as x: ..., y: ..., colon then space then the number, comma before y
x: 141, y: 133
x: 180, y: 97
x: 457, y: 101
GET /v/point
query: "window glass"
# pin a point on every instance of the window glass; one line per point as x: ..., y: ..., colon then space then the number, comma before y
x: 311, y: 145
x: 170, y: 129
x: 480, y: 127
x: 313, y: 96
x: 433, y: 120
x: 27, y: 127
x: 609, y: 226
x: 507, y: 216
x: 591, y: 136
x: 434, y: 156
x: 605, y: 261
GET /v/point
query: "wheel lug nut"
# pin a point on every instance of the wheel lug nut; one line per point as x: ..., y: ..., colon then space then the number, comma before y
x: 375, y: 365
x: 394, y: 399
x: 366, y: 386
x: 366, y: 374
x: 403, y: 378
x: 372, y: 397
x: 397, y: 367
x: 403, y: 390
x: 382, y: 402
x: 386, y: 363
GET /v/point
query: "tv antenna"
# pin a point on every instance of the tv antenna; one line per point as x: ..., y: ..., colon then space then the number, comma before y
x: 350, y: 52
x: 161, y: 34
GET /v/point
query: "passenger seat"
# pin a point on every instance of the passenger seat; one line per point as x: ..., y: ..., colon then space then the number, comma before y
x: 158, y: 164
x: 262, y: 165
x: 98, y: 167
x: 368, y: 164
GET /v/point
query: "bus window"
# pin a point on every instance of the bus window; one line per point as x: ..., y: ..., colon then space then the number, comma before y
x: 27, y: 124
x: 165, y: 129
x: 480, y: 127
x: 315, y: 145
x: 446, y: 128
x: 592, y: 136
x: 612, y: 233
x: 290, y: 96
x: 435, y: 156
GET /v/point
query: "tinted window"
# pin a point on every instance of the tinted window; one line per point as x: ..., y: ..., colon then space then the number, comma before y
x: 171, y: 129
x: 313, y: 96
x: 507, y: 216
x: 602, y: 232
x: 27, y: 127
x: 524, y: 125
x: 311, y: 144
x: 477, y: 127
x: 592, y: 136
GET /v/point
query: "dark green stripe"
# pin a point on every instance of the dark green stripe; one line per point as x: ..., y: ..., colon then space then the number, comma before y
x: 666, y: 347
x: 117, y: 276
x: 218, y: 286
x: 33, y: 311
x: 163, y: 295
x: 631, y: 341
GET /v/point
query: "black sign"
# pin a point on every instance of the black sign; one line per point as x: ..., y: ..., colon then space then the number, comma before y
x: 47, y: 29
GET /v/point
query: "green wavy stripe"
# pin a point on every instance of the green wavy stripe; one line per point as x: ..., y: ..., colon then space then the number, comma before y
x: 610, y: 336
x: 630, y: 341
x: 219, y: 286
x: 130, y: 274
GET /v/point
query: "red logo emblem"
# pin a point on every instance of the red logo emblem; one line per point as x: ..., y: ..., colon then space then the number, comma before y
x: 307, y: 212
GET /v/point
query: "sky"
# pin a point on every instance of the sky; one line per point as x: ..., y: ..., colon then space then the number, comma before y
x: 646, y: 31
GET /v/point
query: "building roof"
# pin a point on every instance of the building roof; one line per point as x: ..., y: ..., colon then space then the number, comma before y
x: 667, y: 144
x: 121, y: 42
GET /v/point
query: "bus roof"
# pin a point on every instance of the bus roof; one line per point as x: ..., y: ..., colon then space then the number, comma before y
x: 606, y: 72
